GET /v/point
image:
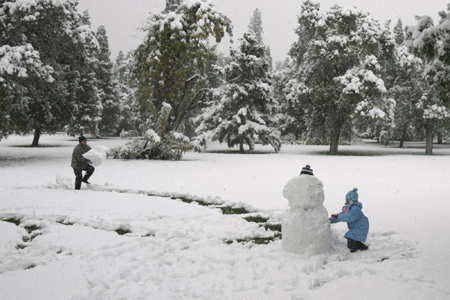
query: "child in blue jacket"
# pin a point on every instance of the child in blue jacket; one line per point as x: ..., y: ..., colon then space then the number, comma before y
x: 357, y: 222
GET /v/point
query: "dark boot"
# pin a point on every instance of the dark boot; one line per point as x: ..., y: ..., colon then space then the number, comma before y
x: 361, y: 246
x: 89, y: 171
x: 356, y: 246
x: 351, y: 244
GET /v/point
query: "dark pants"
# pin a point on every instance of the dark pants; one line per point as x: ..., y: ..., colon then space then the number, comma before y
x: 79, y: 176
x: 355, y: 245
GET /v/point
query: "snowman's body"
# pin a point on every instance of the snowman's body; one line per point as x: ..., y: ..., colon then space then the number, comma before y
x: 306, y: 227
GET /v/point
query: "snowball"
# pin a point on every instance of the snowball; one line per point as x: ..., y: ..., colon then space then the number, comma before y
x: 97, y: 155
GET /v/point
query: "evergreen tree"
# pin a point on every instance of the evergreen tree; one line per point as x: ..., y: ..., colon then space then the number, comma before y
x: 172, y: 5
x: 86, y: 103
x: 431, y: 43
x: 170, y: 64
x: 108, y: 90
x: 129, y: 120
x: 243, y: 108
x: 120, y: 70
x: 50, y: 45
x: 255, y: 27
x: 408, y: 90
x: 399, y: 32
x: 290, y: 120
x: 19, y: 64
x: 339, y: 75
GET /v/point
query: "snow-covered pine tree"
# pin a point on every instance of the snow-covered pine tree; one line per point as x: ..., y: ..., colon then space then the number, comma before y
x: 408, y: 89
x: 170, y: 64
x: 120, y: 70
x: 399, y: 32
x: 172, y: 5
x: 86, y: 103
x: 382, y: 129
x: 129, y: 120
x: 339, y: 76
x: 18, y: 64
x: 255, y: 25
x: 108, y: 90
x: 242, y: 109
x: 290, y: 120
x: 432, y: 44
x: 38, y: 38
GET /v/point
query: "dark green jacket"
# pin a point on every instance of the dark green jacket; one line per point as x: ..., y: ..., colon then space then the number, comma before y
x: 78, y: 161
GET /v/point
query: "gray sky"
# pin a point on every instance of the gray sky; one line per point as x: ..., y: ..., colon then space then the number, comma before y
x: 122, y: 18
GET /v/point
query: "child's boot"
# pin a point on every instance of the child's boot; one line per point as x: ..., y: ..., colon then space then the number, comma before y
x: 362, y: 246
x: 351, y: 244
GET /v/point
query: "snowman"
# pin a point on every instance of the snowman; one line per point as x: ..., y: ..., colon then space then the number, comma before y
x: 305, y: 226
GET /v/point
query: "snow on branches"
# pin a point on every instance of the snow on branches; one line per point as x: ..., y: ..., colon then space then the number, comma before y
x: 22, y: 60
x: 431, y: 43
x: 360, y: 79
x: 189, y: 26
x: 405, y: 59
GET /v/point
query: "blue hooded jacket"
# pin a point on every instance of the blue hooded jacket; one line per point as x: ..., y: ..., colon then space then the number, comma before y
x: 357, y: 222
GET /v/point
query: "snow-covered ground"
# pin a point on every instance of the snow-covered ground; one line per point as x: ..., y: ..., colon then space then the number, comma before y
x: 57, y: 243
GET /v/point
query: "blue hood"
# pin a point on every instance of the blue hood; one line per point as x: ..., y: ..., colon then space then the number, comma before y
x: 358, y: 204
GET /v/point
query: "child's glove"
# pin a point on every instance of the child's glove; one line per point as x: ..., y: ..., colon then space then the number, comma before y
x: 334, y: 216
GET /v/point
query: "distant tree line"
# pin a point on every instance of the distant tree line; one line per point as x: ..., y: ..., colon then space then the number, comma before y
x: 347, y: 76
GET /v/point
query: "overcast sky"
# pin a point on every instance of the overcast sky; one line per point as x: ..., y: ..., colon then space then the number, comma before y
x: 123, y: 18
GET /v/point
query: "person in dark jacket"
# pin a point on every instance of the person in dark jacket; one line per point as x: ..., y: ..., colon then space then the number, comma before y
x: 357, y: 222
x: 80, y: 164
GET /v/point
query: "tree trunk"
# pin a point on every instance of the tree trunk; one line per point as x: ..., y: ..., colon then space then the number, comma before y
x: 250, y: 143
x: 403, y: 137
x: 377, y: 134
x: 241, y: 147
x: 37, y: 135
x: 439, y: 138
x: 185, y: 103
x: 335, y: 136
x: 429, y: 140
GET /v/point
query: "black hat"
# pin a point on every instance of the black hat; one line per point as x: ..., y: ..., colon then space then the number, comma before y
x: 81, y: 138
x: 306, y: 170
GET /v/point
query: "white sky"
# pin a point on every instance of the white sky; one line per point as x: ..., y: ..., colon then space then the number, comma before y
x: 122, y: 18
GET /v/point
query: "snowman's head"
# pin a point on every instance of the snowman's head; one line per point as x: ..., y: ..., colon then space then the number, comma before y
x: 305, y: 192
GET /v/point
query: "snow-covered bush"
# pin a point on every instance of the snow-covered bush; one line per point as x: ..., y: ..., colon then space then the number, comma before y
x: 169, y: 147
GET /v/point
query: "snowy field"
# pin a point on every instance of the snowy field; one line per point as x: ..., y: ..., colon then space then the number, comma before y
x: 130, y: 235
